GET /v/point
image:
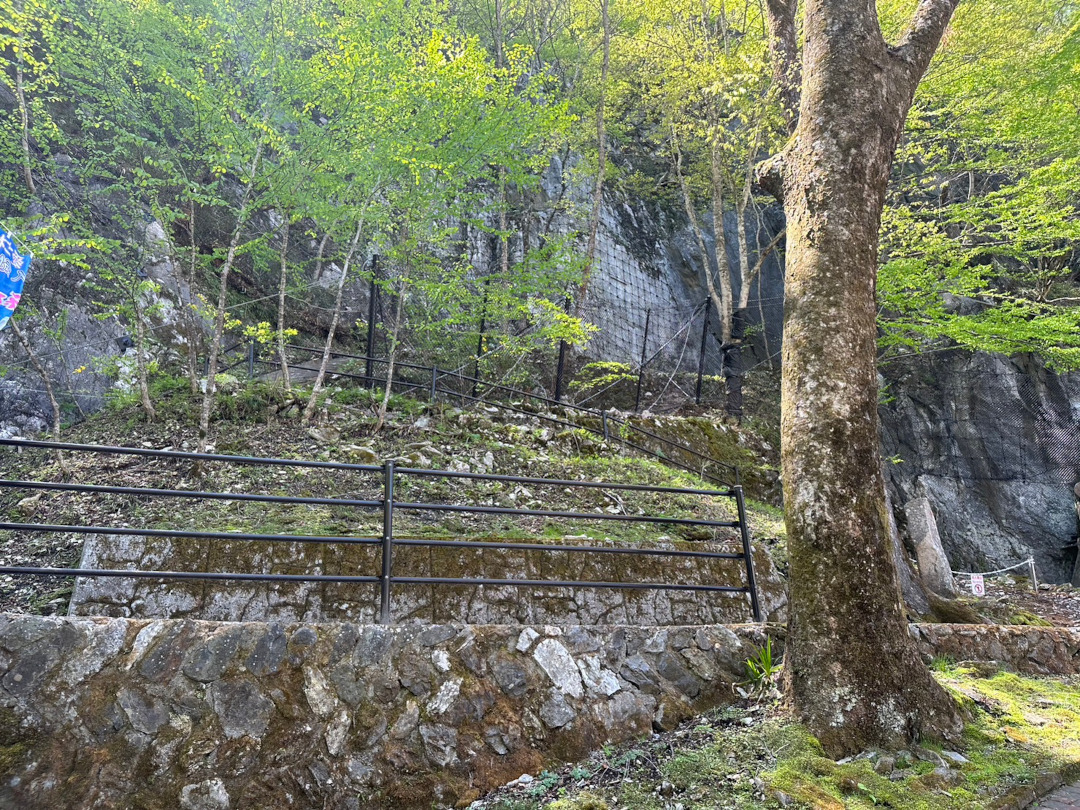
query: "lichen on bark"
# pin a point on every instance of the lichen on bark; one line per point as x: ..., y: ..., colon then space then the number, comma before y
x: 853, y: 672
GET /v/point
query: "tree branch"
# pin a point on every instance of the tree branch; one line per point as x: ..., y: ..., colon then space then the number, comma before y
x: 784, y: 56
x: 769, y: 175
x: 918, y: 45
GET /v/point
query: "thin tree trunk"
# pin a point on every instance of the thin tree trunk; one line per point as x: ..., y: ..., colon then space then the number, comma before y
x: 309, y: 410
x: 504, y: 224
x: 852, y: 670
x: 733, y: 359
x: 695, y: 225
x: 321, y: 255
x: 191, y: 316
x: 281, y: 308
x: 24, y: 119
x: 140, y: 361
x: 723, y: 271
x: 219, y: 315
x: 601, y: 156
x: 384, y: 406
x: 40, y: 369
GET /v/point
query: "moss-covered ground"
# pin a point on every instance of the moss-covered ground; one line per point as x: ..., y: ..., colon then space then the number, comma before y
x: 1022, y: 728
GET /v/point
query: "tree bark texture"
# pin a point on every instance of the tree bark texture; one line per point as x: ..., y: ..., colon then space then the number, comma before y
x: 324, y: 363
x: 853, y: 673
x: 283, y: 280
x: 784, y: 56
x: 601, y: 157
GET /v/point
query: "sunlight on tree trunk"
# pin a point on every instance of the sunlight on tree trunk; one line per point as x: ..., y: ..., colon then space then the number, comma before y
x: 309, y: 409
x: 24, y: 119
x: 282, y: 281
x: 219, y: 314
x: 852, y: 670
x: 395, y: 333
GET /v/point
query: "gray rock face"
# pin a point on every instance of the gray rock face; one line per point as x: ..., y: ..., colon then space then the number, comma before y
x: 208, y: 795
x: 993, y: 444
x: 934, y: 570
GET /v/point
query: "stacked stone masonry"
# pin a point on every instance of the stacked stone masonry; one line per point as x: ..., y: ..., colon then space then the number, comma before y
x: 177, y: 713
x: 127, y: 713
x: 484, y: 604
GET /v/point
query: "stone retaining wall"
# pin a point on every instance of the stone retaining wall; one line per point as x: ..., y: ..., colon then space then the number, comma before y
x: 127, y: 713
x: 484, y: 604
x: 1031, y: 650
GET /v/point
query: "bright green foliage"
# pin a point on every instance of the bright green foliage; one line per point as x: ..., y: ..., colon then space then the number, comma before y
x: 981, y: 242
x: 29, y: 30
x: 405, y: 129
x: 373, y: 128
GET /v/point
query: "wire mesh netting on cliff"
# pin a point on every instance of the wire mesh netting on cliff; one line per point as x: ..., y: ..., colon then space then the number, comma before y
x: 987, y: 425
x: 677, y: 346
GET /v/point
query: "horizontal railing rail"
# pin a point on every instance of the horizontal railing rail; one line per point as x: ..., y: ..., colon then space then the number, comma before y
x: 600, y: 423
x: 386, y: 475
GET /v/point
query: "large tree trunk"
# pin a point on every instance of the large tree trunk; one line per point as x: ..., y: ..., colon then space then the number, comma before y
x: 853, y: 673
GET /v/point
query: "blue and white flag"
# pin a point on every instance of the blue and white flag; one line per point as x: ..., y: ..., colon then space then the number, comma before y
x: 13, y: 269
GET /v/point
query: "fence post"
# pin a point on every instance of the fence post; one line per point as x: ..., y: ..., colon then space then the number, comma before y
x: 434, y: 382
x: 387, y: 542
x: 369, y: 348
x: 701, y: 355
x: 747, y: 555
x: 251, y: 359
x: 603, y: 420
x: 641, y: 368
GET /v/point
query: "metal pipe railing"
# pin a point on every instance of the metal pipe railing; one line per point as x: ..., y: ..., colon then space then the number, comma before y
x: 388, y: 503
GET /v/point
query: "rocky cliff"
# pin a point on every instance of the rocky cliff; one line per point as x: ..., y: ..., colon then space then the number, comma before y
x: 994, y: 444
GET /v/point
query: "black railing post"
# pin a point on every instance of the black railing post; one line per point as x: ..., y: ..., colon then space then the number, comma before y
x: 434, y: 382
x: 387, y: 542
x: 251, y: 359
x: 369, y: 349
x: 603, y: 420
x: 641, y: 368
x: 747, y: 553
x: 701, y: 354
